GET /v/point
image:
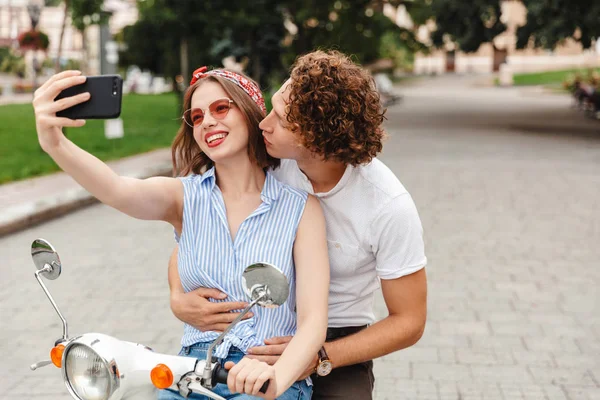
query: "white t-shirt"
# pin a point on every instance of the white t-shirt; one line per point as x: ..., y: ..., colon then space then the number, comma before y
x: 373, y: 232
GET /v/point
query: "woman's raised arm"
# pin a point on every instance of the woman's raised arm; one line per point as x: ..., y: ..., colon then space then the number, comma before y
x: 155, y: 198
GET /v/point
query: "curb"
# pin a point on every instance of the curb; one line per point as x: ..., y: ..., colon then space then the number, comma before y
x: 27, y: 214
x: 34, y: 213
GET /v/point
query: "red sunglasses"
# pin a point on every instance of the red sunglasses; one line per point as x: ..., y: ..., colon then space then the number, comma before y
x: 218, y: 109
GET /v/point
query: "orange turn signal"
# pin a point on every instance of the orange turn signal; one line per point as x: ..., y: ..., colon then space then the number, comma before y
x: 56, y: 355
x: 161, y: 376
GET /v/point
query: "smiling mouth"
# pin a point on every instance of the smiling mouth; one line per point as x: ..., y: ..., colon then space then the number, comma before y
x: 214, y: 138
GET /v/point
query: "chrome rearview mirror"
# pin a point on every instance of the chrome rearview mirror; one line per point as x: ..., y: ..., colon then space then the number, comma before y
x: 46, y: 259
x: 48, y: 265
x: 267, y: 284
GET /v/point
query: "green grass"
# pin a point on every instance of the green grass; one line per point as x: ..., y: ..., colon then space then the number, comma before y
x: 549, y: 77
x: 149, y: 121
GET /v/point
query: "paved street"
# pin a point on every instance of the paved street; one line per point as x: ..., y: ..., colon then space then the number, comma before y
x: 507, y: 183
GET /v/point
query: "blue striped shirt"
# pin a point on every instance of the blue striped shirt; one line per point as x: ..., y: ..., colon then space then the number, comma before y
x: 209, y: 258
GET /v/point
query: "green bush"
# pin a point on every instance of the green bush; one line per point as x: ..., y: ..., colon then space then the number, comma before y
x: 13, y: 64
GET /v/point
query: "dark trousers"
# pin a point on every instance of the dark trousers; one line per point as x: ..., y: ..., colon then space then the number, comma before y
x: 354, y: 382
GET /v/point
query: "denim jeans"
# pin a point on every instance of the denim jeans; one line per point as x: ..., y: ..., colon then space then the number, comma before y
x: 298, y: 391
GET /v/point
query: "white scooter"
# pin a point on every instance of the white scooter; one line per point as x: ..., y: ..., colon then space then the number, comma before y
x: 100, y: 367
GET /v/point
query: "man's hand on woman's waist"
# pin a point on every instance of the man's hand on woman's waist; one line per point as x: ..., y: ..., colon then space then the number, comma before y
x: 195, y: 309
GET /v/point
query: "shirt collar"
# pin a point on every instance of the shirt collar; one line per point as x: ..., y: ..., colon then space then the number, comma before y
x: 210, y: 175
x: 270, y: 192
x: 307, y: 185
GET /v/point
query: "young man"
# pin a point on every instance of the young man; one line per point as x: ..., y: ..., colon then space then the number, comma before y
x: 326, y: 127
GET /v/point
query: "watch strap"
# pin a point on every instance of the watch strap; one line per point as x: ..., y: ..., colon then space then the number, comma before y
x: 323, y: 354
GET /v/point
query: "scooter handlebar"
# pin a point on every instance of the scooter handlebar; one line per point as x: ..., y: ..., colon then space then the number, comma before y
x: 220, y: 375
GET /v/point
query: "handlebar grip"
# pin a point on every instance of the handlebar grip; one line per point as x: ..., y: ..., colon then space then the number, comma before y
x: 220, y: 376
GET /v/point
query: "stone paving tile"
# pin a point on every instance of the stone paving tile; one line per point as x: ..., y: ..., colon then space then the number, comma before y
x: 582, y: 393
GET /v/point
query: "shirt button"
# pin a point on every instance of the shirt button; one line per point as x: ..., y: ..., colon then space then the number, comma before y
x: 337, y: 245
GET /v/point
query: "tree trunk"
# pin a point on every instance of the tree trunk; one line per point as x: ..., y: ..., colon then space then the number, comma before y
x: 184, y: 60
x: 84, y: 60
x: 256, y: 70
x: 62, y: 34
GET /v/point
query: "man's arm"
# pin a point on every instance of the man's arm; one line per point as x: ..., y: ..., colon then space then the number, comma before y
x: 195, y: 309
x: 397, y: 241
x: 406, y: 301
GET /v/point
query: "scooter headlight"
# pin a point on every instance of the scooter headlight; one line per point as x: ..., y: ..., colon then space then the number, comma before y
x: 87, y: 373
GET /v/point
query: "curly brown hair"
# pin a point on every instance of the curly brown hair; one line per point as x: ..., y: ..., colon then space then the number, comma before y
x: 334, y: 108
x: 186, y: 154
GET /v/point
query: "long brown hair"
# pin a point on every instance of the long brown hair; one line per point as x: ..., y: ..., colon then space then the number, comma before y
x: 186, y: 155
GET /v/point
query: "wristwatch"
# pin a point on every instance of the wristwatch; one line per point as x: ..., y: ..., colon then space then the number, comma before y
x: 324, y: 365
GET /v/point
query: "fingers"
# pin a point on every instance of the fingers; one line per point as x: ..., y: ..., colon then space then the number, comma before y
x: 271, y: 360
x: 67, y: 102
x: 251, y: 381
x: 229, y: 306
x: 195, y: 309
x: 208, y: 293
x: 250, y: 375
x: 221, y: 326
x: 233, y: 376
x: 279, y: 340
x: 60, y: 122
x: 270, y: 350
x: 266, y: 375
x: 59, y: 76
x: 229, y: 364
x: 49, y: 93
x: 55, y: 88
x: 227, y: 317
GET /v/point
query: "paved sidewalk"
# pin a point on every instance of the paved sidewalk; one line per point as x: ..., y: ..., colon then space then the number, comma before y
x: 31, y: 201
x: 16, y: 98
x: 507, y: 186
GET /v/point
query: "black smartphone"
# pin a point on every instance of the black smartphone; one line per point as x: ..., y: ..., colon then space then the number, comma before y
x: 105, y: 102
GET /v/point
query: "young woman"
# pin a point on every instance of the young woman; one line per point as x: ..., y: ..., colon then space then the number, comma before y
x: 228, y: 213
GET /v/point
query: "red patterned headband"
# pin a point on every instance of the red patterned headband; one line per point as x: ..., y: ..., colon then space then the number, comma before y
x: 247, y: 86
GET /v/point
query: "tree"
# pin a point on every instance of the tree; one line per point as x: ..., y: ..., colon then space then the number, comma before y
x: 469, y: 24
x: 62, y: 35
x: 83, y: 14
x: 173, y: 37
x: 254, y: 31
x: 351, y: 26
x: 550, y: 22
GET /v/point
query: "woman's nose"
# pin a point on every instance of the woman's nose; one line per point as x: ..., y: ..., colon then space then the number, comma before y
x: 209, y: 120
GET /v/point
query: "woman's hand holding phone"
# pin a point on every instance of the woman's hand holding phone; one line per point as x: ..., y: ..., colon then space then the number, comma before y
x: 48, y: 125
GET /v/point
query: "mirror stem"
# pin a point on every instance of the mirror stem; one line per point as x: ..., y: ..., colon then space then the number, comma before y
x: 48, y: 268
x: 206, y: 375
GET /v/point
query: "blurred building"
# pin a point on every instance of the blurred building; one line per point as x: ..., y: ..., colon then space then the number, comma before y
x: 490, y: 56
x: 14, y: 19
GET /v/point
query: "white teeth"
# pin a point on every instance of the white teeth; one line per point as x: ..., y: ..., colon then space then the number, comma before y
x: 215, y: 137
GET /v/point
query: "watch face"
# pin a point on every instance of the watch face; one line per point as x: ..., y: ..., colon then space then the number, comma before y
x: 324, y: 368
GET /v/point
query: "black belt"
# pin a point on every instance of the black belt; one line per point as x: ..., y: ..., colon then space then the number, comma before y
x: 336, y: 333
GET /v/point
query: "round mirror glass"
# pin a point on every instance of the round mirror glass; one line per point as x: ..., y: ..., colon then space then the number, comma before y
x: 266, y: 280
x: 44, y: 254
